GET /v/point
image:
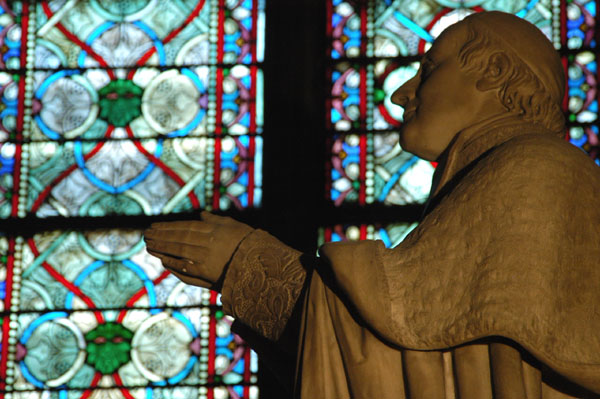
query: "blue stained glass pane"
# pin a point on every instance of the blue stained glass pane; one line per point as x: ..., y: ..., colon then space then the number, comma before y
x: 581, y: 23
x: 10, y: 39
x: 391, y: 176
x: 346, y: 29
x: 11, y: 113
x: 10, y: 117
x: 152, y: 33
x: 587, y: 139
x: 151, y: 102
x: 346, y: 96
x: 402, y: 28
x: 87, y: 178
x: 582, y: 80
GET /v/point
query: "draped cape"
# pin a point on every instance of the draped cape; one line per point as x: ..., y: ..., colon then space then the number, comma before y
x: 509, y: 247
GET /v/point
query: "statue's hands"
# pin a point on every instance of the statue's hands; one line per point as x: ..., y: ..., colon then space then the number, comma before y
x: 196, y: 251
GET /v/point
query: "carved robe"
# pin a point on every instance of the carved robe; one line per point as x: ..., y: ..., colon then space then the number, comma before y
x: 496, y: 294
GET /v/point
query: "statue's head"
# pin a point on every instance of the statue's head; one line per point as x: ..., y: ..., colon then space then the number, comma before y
x: 488, y: 66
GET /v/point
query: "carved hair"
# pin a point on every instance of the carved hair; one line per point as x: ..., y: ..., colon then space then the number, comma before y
x: 521, y: 92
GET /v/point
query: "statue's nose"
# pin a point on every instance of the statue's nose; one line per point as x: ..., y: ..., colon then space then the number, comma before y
x: 399, y: 97
x: 404, y: 93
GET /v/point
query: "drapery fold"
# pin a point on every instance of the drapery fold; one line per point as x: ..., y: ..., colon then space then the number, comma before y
x: 502, y: 252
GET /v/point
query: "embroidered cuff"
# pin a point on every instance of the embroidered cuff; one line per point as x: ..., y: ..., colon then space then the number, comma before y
x: 263, y: 282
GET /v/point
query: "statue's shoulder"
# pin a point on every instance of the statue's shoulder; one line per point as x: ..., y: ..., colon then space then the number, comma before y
x: 534, y: 160
x: 541, y: 153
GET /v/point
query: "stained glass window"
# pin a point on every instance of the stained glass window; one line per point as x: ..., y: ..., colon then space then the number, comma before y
x: 142, y: 108
x: 375, y: 46
x: 110, y: 109
x: 136, y: 107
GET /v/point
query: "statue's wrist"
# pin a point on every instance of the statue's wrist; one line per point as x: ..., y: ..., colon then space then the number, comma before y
x: 218, y: 284
x: 263, y: 282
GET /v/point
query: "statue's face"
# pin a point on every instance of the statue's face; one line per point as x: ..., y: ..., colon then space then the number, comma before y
x: 441, y: 100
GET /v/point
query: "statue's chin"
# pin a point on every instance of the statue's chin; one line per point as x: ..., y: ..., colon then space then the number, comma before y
x: 419, y: 143
x: 413, y: 147
x: 404, y: 144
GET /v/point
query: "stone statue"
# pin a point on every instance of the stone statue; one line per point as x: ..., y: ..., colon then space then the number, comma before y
x: 496, y: 294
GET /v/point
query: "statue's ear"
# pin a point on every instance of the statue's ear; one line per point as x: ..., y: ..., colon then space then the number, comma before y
x: 495, y: 72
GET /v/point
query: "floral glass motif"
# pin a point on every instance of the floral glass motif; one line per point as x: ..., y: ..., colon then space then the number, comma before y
x: 374, y: 45
x: 132, y: 177
x: 94, y: 310
x: 139, y: 107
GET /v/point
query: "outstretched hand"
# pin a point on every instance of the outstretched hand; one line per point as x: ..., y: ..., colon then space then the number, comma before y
x: 197, y: 252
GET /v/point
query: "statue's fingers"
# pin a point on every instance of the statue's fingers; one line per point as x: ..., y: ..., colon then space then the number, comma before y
x: 212, y: 218
x: 164, y: 259
x: 151, y: 244
x: 167, y: 235
x: 181, y: 266
x: 177, y: 249
x: 177, y: 235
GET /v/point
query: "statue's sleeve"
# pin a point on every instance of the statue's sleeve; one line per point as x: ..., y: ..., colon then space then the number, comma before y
x: 262, y: 284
